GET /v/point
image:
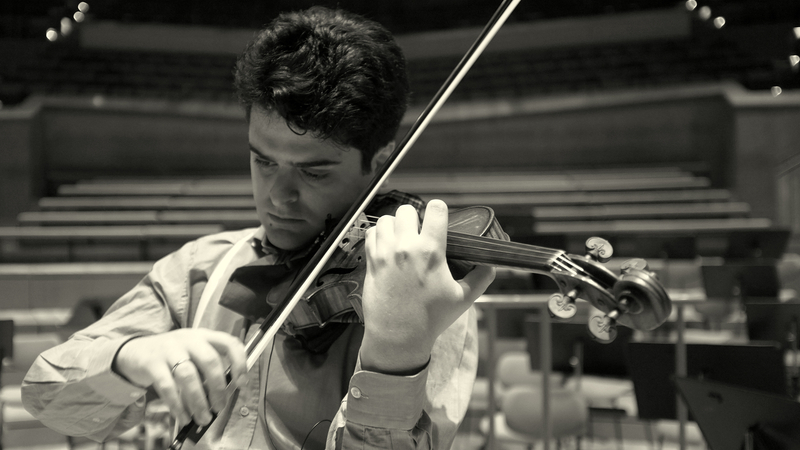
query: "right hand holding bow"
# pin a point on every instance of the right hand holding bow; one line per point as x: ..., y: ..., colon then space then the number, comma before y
x: 186, y: 368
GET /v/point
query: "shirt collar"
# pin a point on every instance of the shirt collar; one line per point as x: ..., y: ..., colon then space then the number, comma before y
x: 262, y: 245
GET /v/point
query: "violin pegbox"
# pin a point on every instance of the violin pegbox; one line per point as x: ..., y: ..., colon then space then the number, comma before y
x: 562, y: 306
x: 355, y: 234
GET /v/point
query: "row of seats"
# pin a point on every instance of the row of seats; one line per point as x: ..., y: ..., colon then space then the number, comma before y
x: 648, y: 212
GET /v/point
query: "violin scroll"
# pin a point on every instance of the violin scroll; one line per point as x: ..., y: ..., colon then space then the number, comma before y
x: 635, y: 298
x: 637, y: 292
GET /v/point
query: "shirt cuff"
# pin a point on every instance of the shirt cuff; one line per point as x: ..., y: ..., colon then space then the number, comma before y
x: 105, y: 381
x: 386, y: 401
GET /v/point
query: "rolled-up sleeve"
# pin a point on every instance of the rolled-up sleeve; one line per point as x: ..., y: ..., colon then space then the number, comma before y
x: 72, y: 388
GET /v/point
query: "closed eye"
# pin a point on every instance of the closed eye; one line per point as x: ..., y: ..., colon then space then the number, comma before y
x: 312, y: 175
x: 263, y: 162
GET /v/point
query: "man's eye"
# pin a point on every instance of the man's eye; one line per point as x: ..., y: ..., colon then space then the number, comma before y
x: 313, y: 175
x: 262, y: 162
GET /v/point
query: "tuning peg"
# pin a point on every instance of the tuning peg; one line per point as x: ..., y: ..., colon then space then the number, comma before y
x: 563, y: 306
x: 598, y: 249
x: 604, y: 328
x: 635, y: 263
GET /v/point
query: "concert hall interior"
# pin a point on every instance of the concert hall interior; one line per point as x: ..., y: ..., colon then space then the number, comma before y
x: 670, y: 129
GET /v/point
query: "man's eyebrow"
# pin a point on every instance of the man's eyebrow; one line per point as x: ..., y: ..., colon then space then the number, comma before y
x: 301, y: 164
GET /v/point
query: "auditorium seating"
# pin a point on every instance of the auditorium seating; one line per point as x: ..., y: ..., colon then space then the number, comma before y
x: 644, y: 212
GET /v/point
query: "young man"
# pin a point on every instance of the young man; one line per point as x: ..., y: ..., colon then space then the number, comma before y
x: 324, y: 92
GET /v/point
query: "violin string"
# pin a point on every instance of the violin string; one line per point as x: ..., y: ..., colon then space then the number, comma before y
x: 538, y: 255
x: 520, y: 252
x: 498, y: 246
x: 567, y: 264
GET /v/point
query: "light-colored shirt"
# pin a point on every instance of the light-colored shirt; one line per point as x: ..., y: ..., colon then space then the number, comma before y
x: 292, y: 396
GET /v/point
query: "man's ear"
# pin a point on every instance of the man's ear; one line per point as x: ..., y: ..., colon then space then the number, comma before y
x: 381, y: 156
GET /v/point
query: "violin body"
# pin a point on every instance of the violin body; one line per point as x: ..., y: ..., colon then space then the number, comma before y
x: 635, y: 298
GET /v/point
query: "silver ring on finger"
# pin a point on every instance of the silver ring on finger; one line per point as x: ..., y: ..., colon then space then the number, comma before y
x: 175, y: 366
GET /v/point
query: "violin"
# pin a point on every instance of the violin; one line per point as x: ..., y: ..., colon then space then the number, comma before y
x: 635, y: 298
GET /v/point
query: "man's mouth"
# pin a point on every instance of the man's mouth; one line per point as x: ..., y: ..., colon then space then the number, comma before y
x: 278, y: 220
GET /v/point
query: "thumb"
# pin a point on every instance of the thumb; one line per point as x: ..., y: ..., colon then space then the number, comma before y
x: 476, y: 282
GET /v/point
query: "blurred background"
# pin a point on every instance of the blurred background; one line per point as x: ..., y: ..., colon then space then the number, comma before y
x: 669, y: 128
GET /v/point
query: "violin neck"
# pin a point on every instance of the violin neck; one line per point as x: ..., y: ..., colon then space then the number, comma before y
x: 495, y: 252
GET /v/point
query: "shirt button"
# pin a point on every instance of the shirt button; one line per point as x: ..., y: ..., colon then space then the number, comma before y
x: 244, y: 411
x: 134, y: 395
x: 96, y: 420
x: 355, y: 392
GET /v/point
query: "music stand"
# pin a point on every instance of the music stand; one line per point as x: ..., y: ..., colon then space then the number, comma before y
x: 572, y: 344
x: 652, y: 366
x: 768, y: 243
x: 746, y: 281
x: 733, y: 418
x: 779, y: 322
x: 774, y: 321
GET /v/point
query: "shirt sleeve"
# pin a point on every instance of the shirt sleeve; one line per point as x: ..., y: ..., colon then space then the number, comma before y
x: 72, y: 389
x: 421, y: 411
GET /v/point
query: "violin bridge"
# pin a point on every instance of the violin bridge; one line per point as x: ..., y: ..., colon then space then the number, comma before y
x: 356, y: 234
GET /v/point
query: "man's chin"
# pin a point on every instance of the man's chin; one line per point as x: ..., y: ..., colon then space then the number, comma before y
x: 286, y: 240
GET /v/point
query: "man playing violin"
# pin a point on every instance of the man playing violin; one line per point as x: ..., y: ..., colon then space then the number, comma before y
x: 324, y: 92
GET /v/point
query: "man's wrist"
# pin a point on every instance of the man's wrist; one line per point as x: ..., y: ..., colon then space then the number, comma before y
x: 115, y: 363
x: 393, y: 359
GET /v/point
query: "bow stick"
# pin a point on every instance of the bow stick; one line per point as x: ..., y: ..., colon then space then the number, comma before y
x: 272, y: 323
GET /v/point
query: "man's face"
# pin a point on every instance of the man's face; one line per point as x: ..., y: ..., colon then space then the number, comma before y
x: 299, y: 180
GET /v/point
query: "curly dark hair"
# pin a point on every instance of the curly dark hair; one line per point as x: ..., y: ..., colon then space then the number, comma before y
x: 329, y: 72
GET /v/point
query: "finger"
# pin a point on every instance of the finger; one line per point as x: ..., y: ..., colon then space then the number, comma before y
x: 192, y: 392
x: 167, y: 391
x: 406, y: 222
x: 384, y: 235
x: 209, y: 364
x: 436, y: 220
x: 370, y: 245
x: 476, y: 282
x: 233, y: 350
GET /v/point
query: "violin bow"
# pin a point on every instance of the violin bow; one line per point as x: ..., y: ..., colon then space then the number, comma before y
x: 272, y: 323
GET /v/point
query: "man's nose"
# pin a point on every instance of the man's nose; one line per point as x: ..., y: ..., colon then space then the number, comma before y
x: 284, y: 187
